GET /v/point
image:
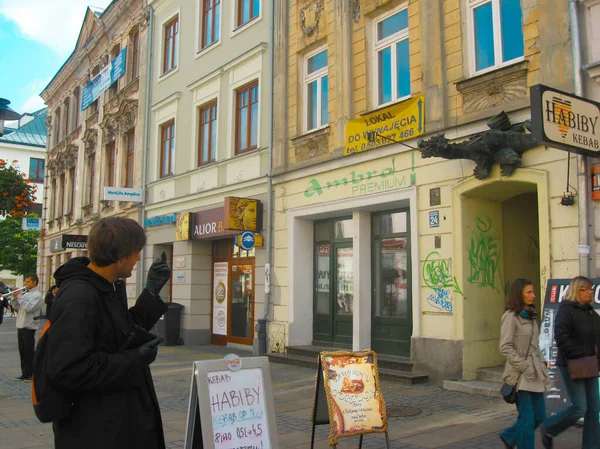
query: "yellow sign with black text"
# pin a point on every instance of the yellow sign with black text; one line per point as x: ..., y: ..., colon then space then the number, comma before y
x: 396, y: 123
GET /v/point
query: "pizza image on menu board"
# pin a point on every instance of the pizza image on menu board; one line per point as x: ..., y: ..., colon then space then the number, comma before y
x: 354, y: 398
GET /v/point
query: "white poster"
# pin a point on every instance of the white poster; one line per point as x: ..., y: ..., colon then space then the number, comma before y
x: 220, y: 298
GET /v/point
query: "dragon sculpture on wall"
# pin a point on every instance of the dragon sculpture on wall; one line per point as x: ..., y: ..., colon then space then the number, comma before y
x: 503, y: 143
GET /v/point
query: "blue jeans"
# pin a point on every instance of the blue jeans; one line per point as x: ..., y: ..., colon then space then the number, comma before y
x: 532, y: 412
x: 585, y: 401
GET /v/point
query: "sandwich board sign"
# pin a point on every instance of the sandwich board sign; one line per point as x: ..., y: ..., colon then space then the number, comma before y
x: 231, y: 405
x: 348, y: 396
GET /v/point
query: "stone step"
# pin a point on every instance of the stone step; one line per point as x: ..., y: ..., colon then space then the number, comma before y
x: 404, y: 377
x: 481, y: 387
x: 491, y: 374
x: 384, y: 361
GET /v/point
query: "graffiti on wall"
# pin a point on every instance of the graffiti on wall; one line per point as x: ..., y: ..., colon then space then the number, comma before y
x: 484, y: 258
x: 437, y: 275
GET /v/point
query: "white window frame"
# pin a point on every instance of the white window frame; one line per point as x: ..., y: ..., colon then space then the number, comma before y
x: 318, y: 75
x: 498, y: 44
x: 385, y: 43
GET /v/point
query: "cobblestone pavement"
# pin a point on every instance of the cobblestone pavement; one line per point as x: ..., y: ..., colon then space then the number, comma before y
x: 440, y: 419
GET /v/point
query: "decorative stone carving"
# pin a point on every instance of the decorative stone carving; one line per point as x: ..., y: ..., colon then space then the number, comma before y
x: 90, y: 139
x: 71, y: 157
x: 494, y: 88
x: 128, y: 121
x: 111, y: 129
x: 310, y: 14
x: 310, y: 145
x: 52, y: 168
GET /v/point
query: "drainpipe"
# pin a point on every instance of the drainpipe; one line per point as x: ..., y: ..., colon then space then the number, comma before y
x: 146, y: 142
x: 260, y: 348
x: 582, y: 161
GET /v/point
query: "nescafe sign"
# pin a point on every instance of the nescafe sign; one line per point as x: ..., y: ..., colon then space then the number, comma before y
x: 69, y: 242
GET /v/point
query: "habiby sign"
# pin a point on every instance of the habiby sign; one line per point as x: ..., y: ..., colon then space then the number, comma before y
x: 398, y: 122
x: 565, y: 121
x: 101, y: 82
x: 123, y: 194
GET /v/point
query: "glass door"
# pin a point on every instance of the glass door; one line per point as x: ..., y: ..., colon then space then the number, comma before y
x: 333, y: 277
x: 241, y: 318
x: 392, y: 307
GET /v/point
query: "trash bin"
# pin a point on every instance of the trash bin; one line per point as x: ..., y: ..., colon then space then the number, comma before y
x: 169, y: 325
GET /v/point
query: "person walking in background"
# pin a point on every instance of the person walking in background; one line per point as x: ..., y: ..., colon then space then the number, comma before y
x: 577, y: 335
x: 28, y: 305
x: 525, y: 366
x: 91, y: 355
x: 49, y: 299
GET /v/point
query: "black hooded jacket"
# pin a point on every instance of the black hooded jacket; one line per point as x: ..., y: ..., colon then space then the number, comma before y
x: 576, y: 332
x: 115, y: 403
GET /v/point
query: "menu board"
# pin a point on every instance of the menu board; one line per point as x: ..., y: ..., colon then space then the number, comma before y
x: 231, y: 405
x: 350, y: 383
x: 557, y: 398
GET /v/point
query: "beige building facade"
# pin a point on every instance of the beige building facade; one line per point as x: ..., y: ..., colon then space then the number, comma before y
x: 209, y: 138
x: 95, y: 133
x: 377, y: 246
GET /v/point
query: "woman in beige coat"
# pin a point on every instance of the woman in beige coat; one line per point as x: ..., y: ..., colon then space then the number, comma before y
x: 525, y: 368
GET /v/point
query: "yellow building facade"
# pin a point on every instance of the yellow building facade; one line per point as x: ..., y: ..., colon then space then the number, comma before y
x: 378, y: 247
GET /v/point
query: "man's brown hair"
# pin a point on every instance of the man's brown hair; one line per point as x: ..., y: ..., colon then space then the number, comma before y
x: 113, y: 238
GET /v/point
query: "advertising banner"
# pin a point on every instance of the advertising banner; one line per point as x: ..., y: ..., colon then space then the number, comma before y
x: 557, y: 398
x: 123, y: 194
x: 396, y: 123
x: 101, y: 82
x: 242, y: 214
x: 349, y: 381
x: 220, y: 283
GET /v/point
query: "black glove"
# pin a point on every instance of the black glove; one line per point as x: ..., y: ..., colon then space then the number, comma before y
x: 158, y: 275
x: 149, y: 350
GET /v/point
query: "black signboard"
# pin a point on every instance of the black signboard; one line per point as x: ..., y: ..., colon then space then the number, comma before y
x: 68, y: 241
x: 557, y: 398
x: 565, y: 121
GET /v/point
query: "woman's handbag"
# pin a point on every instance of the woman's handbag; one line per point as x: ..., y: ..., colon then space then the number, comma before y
x: 584, y: 367
x: 509, y: 392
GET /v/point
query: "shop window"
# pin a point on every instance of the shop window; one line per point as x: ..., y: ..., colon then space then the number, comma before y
x: 496, y: 33
x: 211, y: 22
x: 317, y: 88
x: 392, y: 57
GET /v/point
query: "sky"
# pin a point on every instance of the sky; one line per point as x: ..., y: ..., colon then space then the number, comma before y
x: 36, y: 38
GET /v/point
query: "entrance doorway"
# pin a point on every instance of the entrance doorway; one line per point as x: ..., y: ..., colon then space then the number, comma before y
x: 501, y: 233
x: 239, y: 266
x: 334, y: 293
x: 391, y: 328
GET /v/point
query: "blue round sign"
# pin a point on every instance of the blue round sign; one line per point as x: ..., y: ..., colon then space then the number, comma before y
x: 247, y: 242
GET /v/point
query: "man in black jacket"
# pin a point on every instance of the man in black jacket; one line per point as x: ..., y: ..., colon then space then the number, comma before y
x: 115, y: 404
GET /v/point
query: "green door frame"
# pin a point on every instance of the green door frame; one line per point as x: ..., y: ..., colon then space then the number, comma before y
x: 327, y: 327
x: 391, y: 335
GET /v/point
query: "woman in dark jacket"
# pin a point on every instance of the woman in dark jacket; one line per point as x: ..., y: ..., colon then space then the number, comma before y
x: 577, y: 334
